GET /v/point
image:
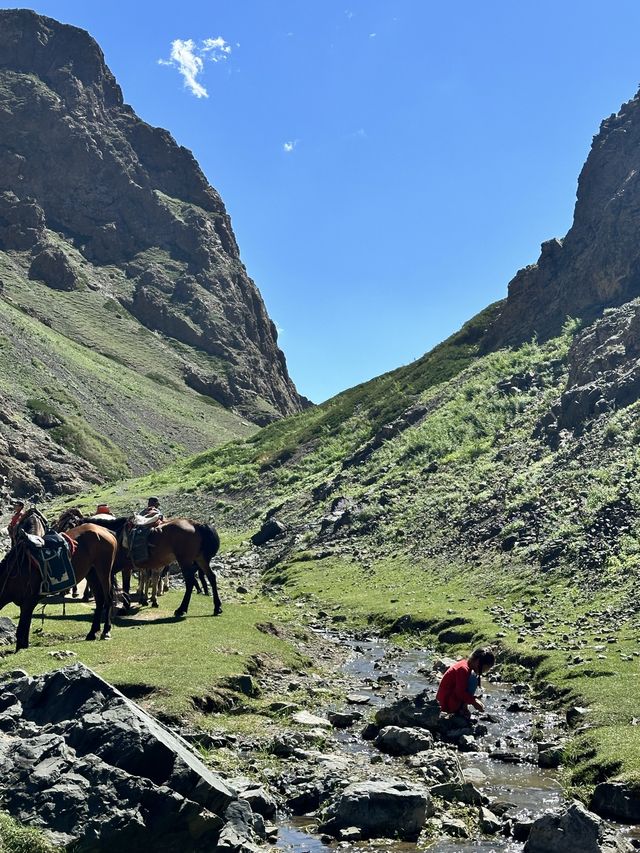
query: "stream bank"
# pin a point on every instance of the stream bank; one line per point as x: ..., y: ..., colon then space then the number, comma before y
x: 499, y: 765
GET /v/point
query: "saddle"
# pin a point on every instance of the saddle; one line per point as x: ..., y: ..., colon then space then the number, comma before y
x: 135, y: 536
x: 52, y: 554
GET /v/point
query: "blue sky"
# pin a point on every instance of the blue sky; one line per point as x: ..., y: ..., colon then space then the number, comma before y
x: 388, y: 164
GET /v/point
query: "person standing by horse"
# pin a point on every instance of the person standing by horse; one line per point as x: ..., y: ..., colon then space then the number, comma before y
x: 18, y: 515
x: 152, y: 510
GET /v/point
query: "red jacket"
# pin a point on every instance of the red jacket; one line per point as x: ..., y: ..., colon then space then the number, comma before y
x: 453, y: 694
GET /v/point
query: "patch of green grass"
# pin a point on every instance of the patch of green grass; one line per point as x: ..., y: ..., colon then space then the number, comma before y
x: 15, y: 838
x: 176, y: 659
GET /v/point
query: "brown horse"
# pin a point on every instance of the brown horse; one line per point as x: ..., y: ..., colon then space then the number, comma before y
x: 189, y: 543
x: 93, y: 558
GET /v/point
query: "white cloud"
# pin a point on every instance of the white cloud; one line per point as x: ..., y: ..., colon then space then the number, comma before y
x: 372, y: 35
x: 189, y: 59
x: 289, y: 146
x: 216, y: 49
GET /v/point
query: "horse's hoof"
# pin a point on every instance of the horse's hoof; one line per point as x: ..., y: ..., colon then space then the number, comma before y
x: 106, y: 636
x: 180, y: 614
x: 74, y: 595
x: 143, y: 602
x: 217, y: 611
x: 90, y: 637
x: 155, y: 604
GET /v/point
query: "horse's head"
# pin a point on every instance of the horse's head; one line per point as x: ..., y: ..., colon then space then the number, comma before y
x: 71, y: 517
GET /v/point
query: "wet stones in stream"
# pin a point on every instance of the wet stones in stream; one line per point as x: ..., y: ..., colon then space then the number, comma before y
x: 380, y: 809
x: 574, y: 830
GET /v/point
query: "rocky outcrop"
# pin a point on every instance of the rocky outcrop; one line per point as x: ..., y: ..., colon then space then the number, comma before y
x: 82, y: 170
x: 604, y: 372
x: 574, y: 830
x: 597, y: 264
x: 89, y: 767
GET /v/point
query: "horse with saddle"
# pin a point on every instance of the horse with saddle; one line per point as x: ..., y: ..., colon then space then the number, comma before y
x: 42, y: 563
x: 147, y: 543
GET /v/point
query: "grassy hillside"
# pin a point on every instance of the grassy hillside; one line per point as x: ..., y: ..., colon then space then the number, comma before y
x: 469, y: 521
x: 100, y: 384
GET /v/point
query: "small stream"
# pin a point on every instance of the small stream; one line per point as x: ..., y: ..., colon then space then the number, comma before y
x: 529, y: 789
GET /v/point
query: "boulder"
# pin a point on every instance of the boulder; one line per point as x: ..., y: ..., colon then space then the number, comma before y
x: 93, y: 770
x: 343, y: 719
x: 439, y: 765
x: 271, y: 529
x: 454, y: 792
x: 53, y: 267
x: 617, y: 800
x: 304, y: 718
x: 395, y: 740
x: 255, y: 794
x: 489, y: 822
x: 384, y: 809
x: 418, y: 711
x: 7, y: 631
x: 574, y: 830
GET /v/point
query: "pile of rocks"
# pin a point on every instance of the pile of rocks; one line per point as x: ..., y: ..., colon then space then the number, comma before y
x: 92, y: 769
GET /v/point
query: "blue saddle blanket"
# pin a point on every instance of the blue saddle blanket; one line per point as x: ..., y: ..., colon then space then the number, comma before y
x: 54, y: 562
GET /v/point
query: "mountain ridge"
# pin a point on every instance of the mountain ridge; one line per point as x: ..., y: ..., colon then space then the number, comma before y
x: 111, y: 236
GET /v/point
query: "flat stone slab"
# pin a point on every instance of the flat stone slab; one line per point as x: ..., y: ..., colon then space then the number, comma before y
x: 304, y: 718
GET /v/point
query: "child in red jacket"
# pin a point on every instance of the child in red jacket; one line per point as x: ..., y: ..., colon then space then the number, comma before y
x: 460, y: 682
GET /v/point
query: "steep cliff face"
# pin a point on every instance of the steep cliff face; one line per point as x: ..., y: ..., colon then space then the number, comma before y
x: 598, y: 263
x: 95, y: 199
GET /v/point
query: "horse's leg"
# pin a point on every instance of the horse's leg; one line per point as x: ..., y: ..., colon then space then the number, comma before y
x: 203, y: 580
x: 126, y: 579
x: 108, y: 590
x: 143, y: 586
x: 196, y: 585
x: 24, y: 623
x: 217, y: 604
x: 100, y: 599
x: 74, y: 592
x: 155, y: 582
x: 189, y: 573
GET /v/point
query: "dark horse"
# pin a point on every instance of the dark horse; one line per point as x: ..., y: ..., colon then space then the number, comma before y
x: 189, y: 543
x: 93, y: 558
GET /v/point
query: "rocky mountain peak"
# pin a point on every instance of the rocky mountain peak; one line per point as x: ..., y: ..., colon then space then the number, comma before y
x: 597, y: 264
x: 95, y: 198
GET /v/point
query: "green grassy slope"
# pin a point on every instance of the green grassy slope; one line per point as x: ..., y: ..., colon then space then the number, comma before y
x: 299, y: 451
x: 115, y: 388
x: 467, y: 521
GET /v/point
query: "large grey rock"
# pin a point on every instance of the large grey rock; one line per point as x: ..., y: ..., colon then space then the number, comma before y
x: 387, y: 809
x: 617, y: 800
x: 395, y: 740
x: 574, y: 830
x: 439, y: 765
x: 418, y: 711
x: 271, y: 529
x: 84, y: 763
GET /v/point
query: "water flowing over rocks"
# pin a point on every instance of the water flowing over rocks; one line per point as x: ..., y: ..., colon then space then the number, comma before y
x: 91, y: 768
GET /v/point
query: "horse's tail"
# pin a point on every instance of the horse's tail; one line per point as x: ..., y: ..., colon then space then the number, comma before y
x: 210, y: 541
